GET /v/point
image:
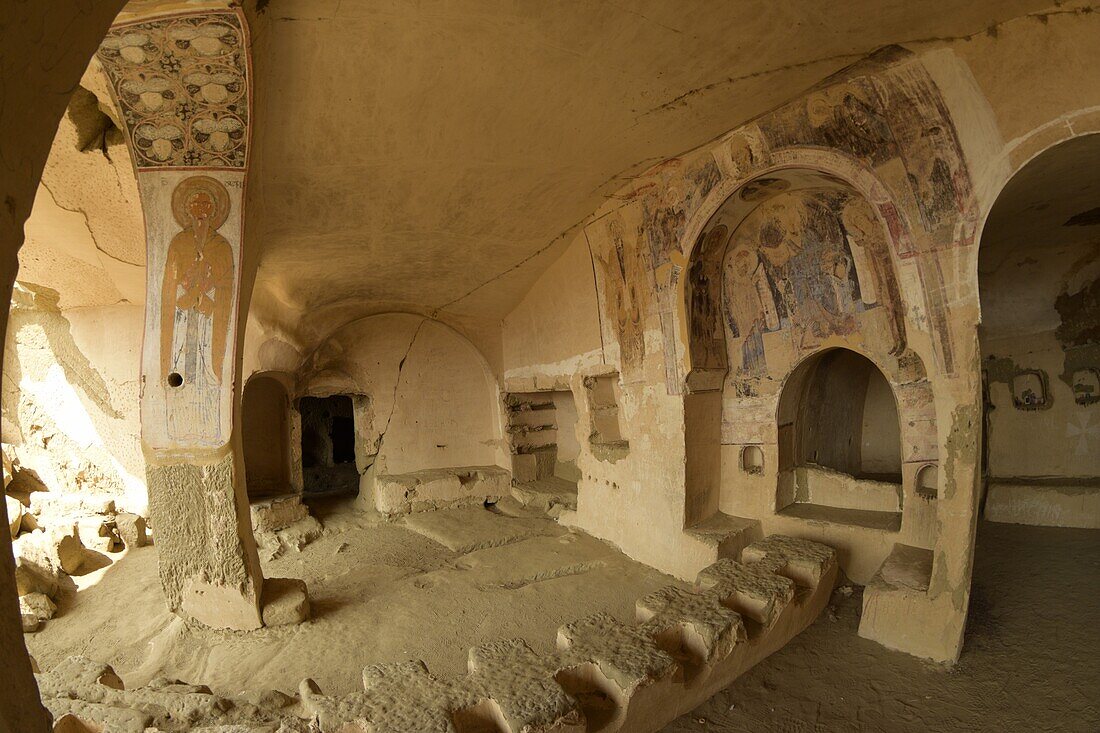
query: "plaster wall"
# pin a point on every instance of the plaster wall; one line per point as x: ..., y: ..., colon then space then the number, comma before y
x: 555, y: 328
x: 433, y: 403
x: 1054, y: 442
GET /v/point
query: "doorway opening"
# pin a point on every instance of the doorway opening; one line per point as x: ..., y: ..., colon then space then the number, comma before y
x: 265, y: 433
x: 1039, y: 285
x: 328, y: 445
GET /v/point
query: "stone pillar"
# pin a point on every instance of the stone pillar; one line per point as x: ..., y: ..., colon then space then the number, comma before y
x: 182, y: 86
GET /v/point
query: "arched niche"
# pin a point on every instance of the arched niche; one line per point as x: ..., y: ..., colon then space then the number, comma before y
x: 1039, y: 285
x: 266, y: 436
x: 789, y: 263
x: 840, y: 445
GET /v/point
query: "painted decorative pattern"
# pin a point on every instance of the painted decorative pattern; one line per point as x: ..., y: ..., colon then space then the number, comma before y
x: 181, y: 84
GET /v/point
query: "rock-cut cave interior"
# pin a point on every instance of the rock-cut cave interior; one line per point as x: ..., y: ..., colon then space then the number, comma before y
x: 521, y: 366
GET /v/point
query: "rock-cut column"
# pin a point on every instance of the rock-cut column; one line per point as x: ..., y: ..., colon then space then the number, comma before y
x: 182, y: 86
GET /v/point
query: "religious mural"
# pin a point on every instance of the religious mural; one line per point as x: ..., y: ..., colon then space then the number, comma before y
x: 625, y: 278
x: 805, y: 262
x: 197, y: 301
x: 181, y: 84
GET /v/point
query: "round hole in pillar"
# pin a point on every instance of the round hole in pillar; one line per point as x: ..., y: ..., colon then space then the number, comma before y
x: 175, y: 379
x: 752, y: 459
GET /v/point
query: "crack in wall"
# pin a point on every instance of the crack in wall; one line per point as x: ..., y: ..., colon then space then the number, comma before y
x: 88, y: 226
x: 991, y: 30
x: 397, y: 386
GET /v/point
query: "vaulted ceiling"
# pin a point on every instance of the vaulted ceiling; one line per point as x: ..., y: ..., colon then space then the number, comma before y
x: 438, y: 156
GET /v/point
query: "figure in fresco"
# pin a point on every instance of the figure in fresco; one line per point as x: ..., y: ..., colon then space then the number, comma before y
x: 751, y: 304
x: 793, y: 265
x: 704, y: 279
x: 196, y: 305
x: 625, y: 278
x: 871, y: 255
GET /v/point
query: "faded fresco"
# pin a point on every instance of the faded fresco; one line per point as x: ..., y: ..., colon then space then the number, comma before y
x: 181, y: 84
x: 807, y: 263
x: 625, y: 278
x: 196, y: 304
x: 193, y: 276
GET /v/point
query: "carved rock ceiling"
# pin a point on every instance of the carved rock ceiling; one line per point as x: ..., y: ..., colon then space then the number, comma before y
x: 439, y: 156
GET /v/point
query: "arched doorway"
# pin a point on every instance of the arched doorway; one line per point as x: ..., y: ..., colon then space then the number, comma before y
x: 1039, y: 284
x: 266, y: 437
x: 840, y: 442
x: 789, y: 264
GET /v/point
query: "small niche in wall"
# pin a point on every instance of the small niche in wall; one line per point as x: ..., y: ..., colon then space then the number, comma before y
x: 1086, y: 386
x: 606, y: 437
x: 543, y: 436
x: 927, y: 483
x: 752, y: 459
x: 1029, y: 390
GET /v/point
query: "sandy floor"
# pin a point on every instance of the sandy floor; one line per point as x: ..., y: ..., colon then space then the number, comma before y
x: 434, y: 584
x: 429, y: 586
x: 1031, y: 660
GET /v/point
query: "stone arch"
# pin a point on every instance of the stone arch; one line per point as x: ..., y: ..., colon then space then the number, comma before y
x: 839, y: 435
x: 830, y: 167
x: 759, y: 271
x: 1037, y: 278
x: 267, y: 429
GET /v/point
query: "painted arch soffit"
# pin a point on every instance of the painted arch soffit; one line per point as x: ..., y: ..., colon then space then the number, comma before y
x: 181, y: 84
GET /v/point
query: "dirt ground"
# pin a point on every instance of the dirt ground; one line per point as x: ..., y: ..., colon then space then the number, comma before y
x: 434, y: 584
x: 428, y: 587
x: 1031, y: 660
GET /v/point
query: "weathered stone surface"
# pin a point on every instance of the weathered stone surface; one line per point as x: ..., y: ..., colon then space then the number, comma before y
x: 271, y: 515
x: 521, y: 684
x: 205, y: 570
x: 50, y: 551
x: 37, y: 604
x: 131, y: 529
x: 97, y: 532
x: 15, y: 514
x: 695, y: 624
x: 754, y: 588
x: 627, y: 655
x: 30, y: 621
x: 438, y: 488
x: 801, y: 560
x: 285, y: 601
x: 95, y: 697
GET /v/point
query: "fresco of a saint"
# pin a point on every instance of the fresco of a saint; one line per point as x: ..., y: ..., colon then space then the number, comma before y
x: 196, y: 306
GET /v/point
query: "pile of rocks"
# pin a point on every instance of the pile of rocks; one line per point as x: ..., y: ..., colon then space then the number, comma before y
x: 55, y: 536
x: 85, y: 696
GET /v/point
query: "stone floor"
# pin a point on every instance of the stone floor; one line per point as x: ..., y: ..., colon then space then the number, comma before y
x: 431, y: 585
x: 1031, y: 659
x: 428, y: 586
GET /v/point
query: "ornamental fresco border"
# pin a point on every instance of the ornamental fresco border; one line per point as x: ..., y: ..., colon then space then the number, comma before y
x: 181, y: 83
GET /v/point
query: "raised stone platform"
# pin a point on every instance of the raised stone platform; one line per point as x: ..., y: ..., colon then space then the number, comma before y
x: 437, y: 488
x: 1044, y: 503
x: 894, y: 601
x: 604, y: 675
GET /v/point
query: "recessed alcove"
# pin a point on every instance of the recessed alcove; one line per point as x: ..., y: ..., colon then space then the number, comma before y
x: 840, y: 443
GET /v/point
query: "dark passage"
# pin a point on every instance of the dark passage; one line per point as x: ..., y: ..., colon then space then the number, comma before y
x: 328, y: 445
